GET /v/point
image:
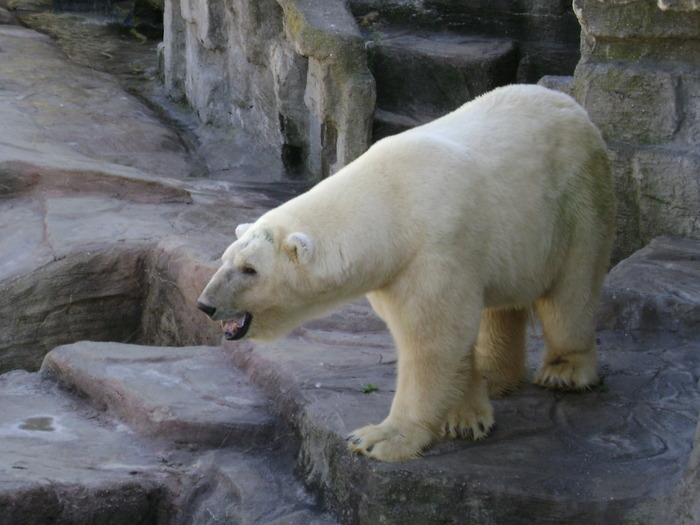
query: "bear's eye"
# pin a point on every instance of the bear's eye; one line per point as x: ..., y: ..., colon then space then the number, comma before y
x: 249, y: 270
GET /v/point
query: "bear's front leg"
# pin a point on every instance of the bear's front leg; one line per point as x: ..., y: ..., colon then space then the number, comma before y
x: 437, y: 387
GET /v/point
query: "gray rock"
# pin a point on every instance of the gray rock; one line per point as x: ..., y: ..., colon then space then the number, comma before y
x: 554, y: 456
x: 185, y: 395
x: 289, y: 76
x: 69, y: 463
x: 638, y: 79
x: 444, y: 71
x: 237, y: 488
x: 656, y: 289
x: 64, y: 463
x: 49, y: 115
x: 546, y: 31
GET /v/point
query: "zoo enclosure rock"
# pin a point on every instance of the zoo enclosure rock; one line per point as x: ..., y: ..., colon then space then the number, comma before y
x: 214, y: 457
x: 294, y: 75
x: 290, y: 74
x: 639, y: 80
x: 656, y: 289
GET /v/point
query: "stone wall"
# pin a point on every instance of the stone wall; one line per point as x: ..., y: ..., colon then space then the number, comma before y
x: 639, y: 79
x: 287, y: 74
x: 288, y: 83
x: 546, y: 31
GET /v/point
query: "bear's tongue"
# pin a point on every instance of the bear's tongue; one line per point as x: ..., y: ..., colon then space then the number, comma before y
x: 237, y: 327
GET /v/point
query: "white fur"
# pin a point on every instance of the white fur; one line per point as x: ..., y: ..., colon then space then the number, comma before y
x: 454, y: 230
x: 241, y: 229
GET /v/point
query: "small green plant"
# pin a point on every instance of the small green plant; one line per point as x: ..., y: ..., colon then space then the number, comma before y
x: 368, y: 388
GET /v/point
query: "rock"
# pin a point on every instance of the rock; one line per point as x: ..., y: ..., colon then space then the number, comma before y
x: 6, y: 17
x: 70, y: 463
x: 64, y: 463
x: 638, y: 79
x: 656, y: 289
x: 89, y: 295
x: 82, y: 218
x: 186, y: 395
x: 591, y: 447
x: 546, y: 31
x: 444, y: 71
x: 238, y: 488
x: 289, y: 76
x: 48, y: 123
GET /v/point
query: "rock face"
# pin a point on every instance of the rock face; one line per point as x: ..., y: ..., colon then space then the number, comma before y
x: 289, y: 74
x: 639, y: 80
x: 546, y: 31
x: 295, y: 76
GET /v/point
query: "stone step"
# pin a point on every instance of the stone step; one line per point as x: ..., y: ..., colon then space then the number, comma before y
x: 421, y: 76
x: 234, y: 487
x: 185, y: 395
x: 63, y: 461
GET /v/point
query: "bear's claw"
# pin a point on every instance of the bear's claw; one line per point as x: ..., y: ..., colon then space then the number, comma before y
x: 398, y: 441
x: 578, y: 372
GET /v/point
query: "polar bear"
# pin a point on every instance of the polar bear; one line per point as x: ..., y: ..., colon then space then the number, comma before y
x: 455, y: 231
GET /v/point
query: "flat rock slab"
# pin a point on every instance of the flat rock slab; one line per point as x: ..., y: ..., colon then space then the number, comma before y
x: 619, y: 452
x: 185, y: 395
x: 59, y: 457
x: 51, y: 101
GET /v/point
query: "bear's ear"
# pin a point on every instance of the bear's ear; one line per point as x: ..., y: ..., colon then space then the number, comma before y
x: 302, y: 245
x: 242, y: 228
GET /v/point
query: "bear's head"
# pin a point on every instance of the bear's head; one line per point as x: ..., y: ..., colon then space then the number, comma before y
x: 264, y: 288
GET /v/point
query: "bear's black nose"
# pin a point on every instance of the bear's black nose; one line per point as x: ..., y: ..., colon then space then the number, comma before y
x: 209, y: 310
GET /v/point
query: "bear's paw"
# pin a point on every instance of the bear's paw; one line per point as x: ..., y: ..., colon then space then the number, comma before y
x: 574, y: 371
x: 390, y: 440
x: 469, y: 420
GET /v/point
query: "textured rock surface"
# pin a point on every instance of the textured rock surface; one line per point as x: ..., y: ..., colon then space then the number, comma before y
x: 295, y: 76
x: 164, y: 391
x: 288, y: 75
x: 68, y: 462
x: 560, y: 457
x: 639, y: 80
x: 546, y: 31
x: 444, y: 72
x: 656, y: 289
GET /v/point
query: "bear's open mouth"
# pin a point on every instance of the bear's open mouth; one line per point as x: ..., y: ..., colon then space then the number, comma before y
x: 237, y: 327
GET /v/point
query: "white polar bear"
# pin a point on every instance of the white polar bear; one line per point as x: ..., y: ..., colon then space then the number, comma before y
x: 455, y: 230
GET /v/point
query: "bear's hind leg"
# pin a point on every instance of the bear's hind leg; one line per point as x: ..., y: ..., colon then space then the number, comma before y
x: 500, y: 349
x: 568, y: 325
